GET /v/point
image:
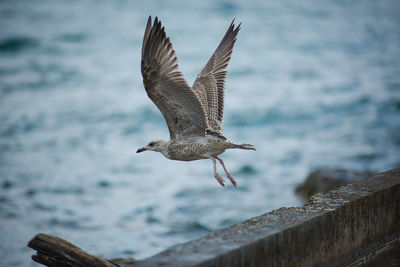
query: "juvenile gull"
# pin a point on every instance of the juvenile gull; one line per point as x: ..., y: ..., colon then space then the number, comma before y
x: 193, y: 114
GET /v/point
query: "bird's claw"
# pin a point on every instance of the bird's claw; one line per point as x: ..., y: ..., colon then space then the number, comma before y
x: 220, y: 180
x: 231, y: 179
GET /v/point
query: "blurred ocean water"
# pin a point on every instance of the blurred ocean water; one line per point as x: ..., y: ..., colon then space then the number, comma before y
x: 310, y: 85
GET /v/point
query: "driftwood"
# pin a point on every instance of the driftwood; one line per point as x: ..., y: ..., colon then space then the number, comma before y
x: 56, y: 252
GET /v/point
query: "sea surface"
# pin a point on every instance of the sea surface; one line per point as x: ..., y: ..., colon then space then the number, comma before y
x: 311, y: 85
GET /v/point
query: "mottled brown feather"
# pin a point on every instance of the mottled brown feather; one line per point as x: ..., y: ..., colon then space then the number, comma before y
x: 166, y: 86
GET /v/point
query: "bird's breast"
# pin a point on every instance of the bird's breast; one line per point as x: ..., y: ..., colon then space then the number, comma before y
x: 193, y: 151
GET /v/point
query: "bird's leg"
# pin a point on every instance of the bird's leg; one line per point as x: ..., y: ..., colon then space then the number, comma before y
x: 216, y: 175
x: 226, y: 171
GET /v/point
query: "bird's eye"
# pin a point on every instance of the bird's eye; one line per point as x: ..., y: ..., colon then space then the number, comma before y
x: 151, y: 144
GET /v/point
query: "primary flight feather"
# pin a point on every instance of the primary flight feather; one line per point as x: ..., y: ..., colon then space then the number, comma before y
x: 193, y: 114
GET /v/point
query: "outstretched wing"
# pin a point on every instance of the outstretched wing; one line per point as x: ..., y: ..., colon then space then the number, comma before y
x: 166, y: 86
x: 210, y: 83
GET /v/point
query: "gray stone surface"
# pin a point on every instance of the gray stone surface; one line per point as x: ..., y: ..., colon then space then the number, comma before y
x: 333, y: 229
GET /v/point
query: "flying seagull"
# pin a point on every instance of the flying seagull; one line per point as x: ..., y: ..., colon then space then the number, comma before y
x: 193, y: 114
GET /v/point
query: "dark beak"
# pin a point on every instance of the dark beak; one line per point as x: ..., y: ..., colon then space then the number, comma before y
x: 141, y: 150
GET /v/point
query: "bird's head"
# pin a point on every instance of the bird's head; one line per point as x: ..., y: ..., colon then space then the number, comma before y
x: 155, y: 145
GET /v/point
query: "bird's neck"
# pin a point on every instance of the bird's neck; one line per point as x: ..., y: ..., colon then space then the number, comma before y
x: 165, y: 149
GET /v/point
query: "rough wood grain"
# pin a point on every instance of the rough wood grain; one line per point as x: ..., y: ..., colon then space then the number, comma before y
x: 56, y: 252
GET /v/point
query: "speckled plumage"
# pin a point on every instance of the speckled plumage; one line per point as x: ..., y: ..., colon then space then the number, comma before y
x: 193, y: 114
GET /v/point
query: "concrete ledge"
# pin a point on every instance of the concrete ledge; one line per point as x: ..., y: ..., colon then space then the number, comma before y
x: 333, y: 229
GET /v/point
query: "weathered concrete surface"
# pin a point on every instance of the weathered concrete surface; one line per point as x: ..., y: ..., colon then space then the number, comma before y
x: 333, y: 229
x: 323, y: 180
x: 387, y: 256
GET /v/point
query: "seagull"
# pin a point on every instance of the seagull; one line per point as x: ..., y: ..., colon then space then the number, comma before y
x: 193, y: 114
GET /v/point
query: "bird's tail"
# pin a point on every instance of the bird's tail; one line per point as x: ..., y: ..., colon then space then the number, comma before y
x: 243, y: 146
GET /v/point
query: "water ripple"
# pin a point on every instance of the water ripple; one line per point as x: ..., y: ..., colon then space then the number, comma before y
x: 15, y: 45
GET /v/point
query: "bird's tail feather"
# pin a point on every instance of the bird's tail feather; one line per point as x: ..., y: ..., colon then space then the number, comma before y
x: 243, y: 146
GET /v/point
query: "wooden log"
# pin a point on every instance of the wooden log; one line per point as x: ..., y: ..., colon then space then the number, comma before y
x: 56, y: 252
